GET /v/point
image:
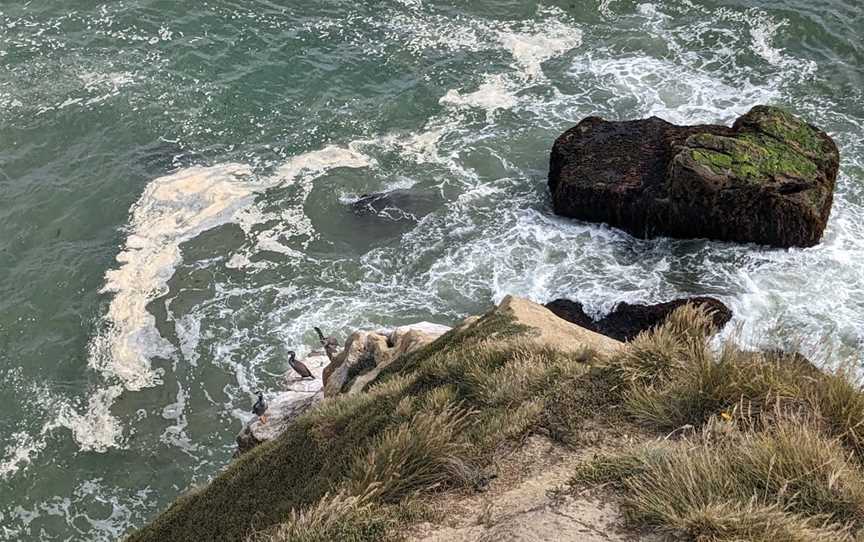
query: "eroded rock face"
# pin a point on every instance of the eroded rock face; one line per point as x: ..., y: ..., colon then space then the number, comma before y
x: 769, y: 179
x: 626, y: 320
x: 366, y: 353
x: 283, y: 408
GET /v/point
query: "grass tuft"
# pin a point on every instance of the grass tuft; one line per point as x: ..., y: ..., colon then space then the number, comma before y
x: 783, y: 481
x: 335, y: 517
x: 414, y: 457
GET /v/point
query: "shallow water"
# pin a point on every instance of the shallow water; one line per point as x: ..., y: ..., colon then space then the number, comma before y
x: 176, y: 180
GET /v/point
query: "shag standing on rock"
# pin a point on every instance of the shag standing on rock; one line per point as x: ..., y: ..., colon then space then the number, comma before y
x: 260, y: 408
x: 330, y: 344
x: 301, y: 369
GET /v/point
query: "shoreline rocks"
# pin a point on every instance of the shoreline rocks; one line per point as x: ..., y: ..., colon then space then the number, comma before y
x: 298, y: 396
x: 768, y: 179
x: 366, y: 353
x: 561, y: 324
x: 626, y: 320
x: 553, y: 331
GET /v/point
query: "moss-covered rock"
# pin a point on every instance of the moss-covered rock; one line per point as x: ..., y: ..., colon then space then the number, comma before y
x: 770, y: 182
x: 769, y: 179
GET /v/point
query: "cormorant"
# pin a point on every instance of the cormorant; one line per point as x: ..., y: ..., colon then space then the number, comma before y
x: 330, y: 344
x: 301, y: 369
x: 260, y: 408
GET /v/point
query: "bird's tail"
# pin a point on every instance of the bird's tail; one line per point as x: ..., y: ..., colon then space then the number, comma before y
x: 320, y: 334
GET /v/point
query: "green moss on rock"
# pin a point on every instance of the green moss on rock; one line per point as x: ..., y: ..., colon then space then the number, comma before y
x: 789, y: 129
x: 754, y: 158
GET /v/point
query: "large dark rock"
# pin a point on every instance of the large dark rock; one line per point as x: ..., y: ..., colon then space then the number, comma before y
x: 769, y: 179
x: 626, y: 320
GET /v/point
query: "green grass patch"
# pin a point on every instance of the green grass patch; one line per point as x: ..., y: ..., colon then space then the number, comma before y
x: 430, y: 422
x: 757, y: 446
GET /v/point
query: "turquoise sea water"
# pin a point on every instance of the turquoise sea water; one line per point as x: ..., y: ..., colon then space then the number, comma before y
x: 175, y: 182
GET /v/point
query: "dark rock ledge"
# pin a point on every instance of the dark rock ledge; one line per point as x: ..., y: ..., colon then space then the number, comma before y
x: 626, y: 320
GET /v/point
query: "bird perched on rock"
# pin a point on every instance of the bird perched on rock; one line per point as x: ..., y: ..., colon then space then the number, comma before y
x: 330, y: 344
x: 301, y: 369
x: 260, y: 408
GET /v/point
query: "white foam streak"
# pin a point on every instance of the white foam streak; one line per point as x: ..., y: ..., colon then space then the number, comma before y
x: 492, y: 95
x: 530, y: 46
x: 172, y: 209
x: 292, y: 221
x: 95, y: 429
x: 20, y: 453
x: 546, y: 41
x: 315, y: 163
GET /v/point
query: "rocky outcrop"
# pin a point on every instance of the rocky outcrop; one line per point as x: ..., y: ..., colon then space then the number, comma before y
x: 626, y: 320
x: 768, y: 179
x: 366, y: 353
x: 298, y: 396
x: 282, y: 408
x: 550, y: 330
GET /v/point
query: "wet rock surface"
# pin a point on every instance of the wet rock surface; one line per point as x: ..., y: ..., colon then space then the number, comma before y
x: 768, y: 179
x: 626, y: 320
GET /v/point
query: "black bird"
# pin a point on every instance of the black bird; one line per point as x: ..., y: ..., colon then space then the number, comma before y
x: 298, y: 366
x: 260, y: 408
x: 330, y: 344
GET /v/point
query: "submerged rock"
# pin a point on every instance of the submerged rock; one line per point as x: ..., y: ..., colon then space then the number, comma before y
x: 626, y: 320
x: 395, y: 205
x: 768, y: 179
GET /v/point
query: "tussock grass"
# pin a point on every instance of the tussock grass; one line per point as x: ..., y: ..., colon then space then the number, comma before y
x: 766, y: 447
x: 421, y: 454
x: 788, y: 481
x: 335, y: 517
x: 671, y: 379
x: 838, y: 397
x: 739, y: 522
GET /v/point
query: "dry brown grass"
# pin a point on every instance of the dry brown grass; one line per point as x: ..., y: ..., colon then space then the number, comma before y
x: 784, y: 482
x: 764, y: 447
x: 334, y: 517
x: 416, y: 456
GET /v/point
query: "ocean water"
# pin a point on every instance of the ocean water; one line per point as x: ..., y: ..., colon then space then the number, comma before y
x: 176, y: 181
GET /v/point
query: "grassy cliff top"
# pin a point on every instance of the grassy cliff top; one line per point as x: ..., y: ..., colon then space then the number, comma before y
x: 786, y: 441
